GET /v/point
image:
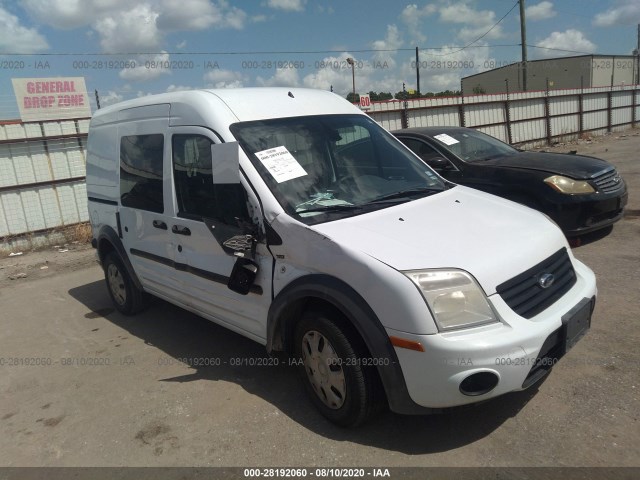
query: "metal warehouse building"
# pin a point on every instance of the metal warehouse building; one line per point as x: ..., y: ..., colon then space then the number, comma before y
x: 584, y: 71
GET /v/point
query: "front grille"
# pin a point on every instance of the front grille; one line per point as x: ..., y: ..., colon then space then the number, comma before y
x: 524, y: 293
x: 609, y: 181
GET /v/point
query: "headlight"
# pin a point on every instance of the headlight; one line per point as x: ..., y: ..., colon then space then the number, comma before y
x: 454, y: 298
x: 568, y: 185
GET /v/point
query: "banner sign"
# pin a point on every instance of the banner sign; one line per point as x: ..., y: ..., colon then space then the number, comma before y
x: 51, y: 98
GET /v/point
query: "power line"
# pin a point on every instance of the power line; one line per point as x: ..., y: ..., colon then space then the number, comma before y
x: 258, y: 52
x: 561, y: 50
x: 483, y: 35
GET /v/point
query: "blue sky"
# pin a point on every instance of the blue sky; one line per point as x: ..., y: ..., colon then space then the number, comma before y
x: 228, y: 43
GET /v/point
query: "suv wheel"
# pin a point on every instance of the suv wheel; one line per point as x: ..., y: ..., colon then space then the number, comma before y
x: 345, y: 389
x: 126, y: 297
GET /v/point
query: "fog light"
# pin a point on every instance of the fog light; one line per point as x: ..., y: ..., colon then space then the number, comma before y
x: 478, y: 384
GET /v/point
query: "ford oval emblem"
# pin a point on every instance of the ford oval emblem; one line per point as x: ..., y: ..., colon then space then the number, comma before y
x: 545, y: 280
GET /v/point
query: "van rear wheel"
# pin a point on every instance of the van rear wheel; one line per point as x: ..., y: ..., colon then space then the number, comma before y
x: 332, y: 362
x: 126, y: 297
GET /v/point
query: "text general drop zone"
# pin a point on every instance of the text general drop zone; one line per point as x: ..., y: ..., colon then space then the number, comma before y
x: 51, y: 94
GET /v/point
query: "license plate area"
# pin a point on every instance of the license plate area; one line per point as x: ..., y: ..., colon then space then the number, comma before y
x: 576, y: 322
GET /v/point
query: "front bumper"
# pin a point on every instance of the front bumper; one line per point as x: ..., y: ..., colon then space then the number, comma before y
x: 516, y: 353
x: 578, y: 215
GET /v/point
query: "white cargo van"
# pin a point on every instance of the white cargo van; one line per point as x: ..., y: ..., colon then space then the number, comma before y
x: 292, y: 218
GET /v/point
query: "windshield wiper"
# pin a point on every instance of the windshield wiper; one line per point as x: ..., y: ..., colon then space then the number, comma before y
x: 405, y: 194
x: 331, y: 208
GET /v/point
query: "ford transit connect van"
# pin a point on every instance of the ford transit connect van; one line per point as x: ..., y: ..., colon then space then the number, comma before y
x: 292, y: 218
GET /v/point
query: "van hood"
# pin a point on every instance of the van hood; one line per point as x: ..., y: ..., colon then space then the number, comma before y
x: 491, y: 238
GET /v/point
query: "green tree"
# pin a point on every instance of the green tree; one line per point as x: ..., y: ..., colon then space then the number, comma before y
x: 353, y: 98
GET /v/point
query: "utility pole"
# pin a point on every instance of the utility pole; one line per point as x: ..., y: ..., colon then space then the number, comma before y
x: 637, y: 59
x: 352, y: 62
x: 523, y: 37
x: 418, y: 71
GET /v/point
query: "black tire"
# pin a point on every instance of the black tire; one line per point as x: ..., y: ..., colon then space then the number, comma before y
x: 126, y: 297
x: 337, y: 354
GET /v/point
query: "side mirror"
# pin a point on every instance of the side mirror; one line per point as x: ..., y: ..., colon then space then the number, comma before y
x: 225, y: 163
x: 243, y: 275
x: 438, y: 163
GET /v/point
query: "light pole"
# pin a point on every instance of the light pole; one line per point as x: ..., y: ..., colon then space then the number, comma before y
x: 352, y: 62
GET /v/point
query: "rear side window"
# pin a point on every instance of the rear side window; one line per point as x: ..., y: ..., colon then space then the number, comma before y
x: 420, y: 148
x: 141, y: 172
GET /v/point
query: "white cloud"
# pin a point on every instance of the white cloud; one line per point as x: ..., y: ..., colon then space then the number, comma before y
x: 148, y: 67
x: 287, y: 5
x: 68, y: 14
x: 198, y: 15
x: 181, y: 45
x: 224, y: 79
x: 477, y: 22
x: 125, y: 26
x: 335, y: 72
x: 16, y: 38
x: 462, y: 13
x: 392, y: 41
x: 129, y: 30
x: 443, y: 71
x: 110, y: 98
x: 540, y: 11
x: 178, y: 88
x: 412, y: 16
x: 626, y: 12
x: 284, y: 77
x: 571, y: 39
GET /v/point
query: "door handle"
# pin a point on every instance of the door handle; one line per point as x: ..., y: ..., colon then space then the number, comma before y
x: 180, y: 230
x: 160, y: 224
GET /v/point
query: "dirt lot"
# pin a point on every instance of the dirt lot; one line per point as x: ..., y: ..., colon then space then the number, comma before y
x: 106, y: 390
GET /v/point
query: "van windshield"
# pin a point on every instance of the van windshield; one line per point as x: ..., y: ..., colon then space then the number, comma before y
x: 325, y: 167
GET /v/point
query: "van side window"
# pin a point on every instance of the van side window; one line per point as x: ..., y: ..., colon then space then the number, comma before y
x: 192, y: 176
x: 198, y: 198
x: 141, y: 172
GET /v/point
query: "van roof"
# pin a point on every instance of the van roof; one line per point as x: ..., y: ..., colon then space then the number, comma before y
x: 243, y: 103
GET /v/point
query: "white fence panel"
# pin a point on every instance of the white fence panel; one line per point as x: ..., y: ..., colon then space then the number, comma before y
x: 497, y: 131
x: 525, y: 109
x: 621, y: 116
x: 593, y: 120
x: 522, y: 132
x: 484, y: 114
x: 566, y: 124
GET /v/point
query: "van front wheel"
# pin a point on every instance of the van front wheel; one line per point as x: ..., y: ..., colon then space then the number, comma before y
x: 341, y: 385
x: 126, y: 297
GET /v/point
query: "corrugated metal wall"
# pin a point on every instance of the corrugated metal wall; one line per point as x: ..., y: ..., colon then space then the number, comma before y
x: 42, y: 170
x: 531, y: 118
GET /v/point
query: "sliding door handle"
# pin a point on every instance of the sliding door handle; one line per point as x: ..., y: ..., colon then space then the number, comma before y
x: 180, y: 230
x: 160, y: 224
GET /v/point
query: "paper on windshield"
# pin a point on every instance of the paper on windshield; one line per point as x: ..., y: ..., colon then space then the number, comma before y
x: 281, y: 164
x: 446, y: 139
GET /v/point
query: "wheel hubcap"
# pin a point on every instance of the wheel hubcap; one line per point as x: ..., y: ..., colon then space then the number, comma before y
x: 116, y: 284
x: 324, y: 369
